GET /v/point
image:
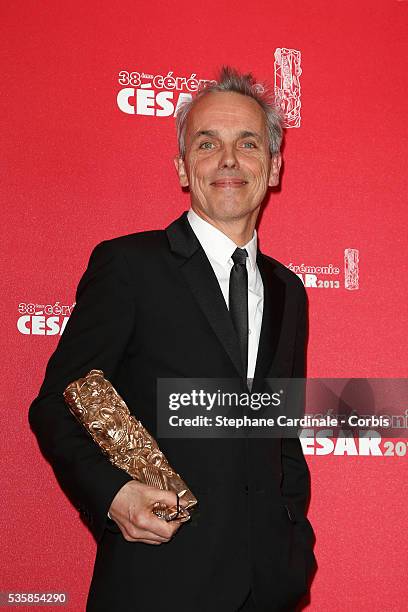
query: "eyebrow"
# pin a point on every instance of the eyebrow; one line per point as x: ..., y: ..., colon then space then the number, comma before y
x: 248, y: 134
x: 211, y: 133
x: 215, y: 134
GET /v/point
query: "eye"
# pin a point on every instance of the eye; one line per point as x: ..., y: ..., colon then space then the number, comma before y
x: 249, y: 145
x: 206, y: 145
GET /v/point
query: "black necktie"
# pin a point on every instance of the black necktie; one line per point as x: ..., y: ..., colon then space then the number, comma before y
x: 238, y: 302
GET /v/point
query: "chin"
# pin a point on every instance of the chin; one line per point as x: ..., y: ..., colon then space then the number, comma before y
x: 232, y: 213
x: 236, y: 209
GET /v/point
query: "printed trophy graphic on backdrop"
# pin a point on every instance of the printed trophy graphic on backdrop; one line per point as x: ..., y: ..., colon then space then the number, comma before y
x: 351, y: 259
x: 287, y: 84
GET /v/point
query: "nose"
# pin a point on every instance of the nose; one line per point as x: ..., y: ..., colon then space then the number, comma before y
x: 228, y: 158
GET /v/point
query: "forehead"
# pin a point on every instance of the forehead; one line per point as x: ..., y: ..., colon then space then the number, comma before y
x: 226, y: 111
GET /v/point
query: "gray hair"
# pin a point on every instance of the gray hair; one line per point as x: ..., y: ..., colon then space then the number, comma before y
x: 230, y: 80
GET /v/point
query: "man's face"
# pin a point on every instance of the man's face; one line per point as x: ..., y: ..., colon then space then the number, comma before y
x: 227, y: 165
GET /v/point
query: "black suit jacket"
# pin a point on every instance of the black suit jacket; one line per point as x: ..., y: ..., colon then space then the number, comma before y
x: 149, y: 306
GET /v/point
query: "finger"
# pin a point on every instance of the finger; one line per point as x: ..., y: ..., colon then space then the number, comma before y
x: 150, y: 522
x: 148, y: 535
x: 172, y: 512
x: 134, y: 532
x: 168, y: 498
x: 143, y: 540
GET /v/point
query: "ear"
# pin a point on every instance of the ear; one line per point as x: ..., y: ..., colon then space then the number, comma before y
x: 181, y: 171
x: 276, y: 161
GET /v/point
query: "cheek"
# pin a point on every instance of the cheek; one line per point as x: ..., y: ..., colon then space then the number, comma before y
x: 260, y: 173
x: 198, y: 171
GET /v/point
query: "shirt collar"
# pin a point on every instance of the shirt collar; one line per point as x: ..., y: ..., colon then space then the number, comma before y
x: 216, y: 244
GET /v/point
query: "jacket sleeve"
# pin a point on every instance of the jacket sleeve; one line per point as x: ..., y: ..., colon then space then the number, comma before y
x: 96, y: 336
x: 295, y: 486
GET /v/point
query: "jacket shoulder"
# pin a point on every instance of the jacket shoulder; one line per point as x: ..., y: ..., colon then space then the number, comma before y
x: 285, y: 274
x: 131, y: 245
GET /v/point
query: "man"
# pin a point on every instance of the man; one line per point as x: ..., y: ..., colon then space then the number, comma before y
x: 197, y: 300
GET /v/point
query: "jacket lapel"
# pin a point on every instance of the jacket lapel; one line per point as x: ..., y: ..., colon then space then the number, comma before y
x: 274, y: 300
x: 203, y: 284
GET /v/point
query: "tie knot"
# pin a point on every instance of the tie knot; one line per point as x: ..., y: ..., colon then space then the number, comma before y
x: 239, y: 256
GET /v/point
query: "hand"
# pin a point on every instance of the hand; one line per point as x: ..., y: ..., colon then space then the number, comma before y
x: 131, y: 509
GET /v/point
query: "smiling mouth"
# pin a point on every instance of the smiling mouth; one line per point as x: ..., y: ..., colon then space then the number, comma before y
x: 229, y: 182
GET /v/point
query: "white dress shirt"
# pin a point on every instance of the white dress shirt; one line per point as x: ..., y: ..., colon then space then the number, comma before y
x: 219, y: 249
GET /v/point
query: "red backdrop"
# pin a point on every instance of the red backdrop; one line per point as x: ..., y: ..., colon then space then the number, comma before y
x: 79, y: 170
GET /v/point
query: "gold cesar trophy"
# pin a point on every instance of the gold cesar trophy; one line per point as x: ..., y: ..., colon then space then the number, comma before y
x: 99, y: 408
